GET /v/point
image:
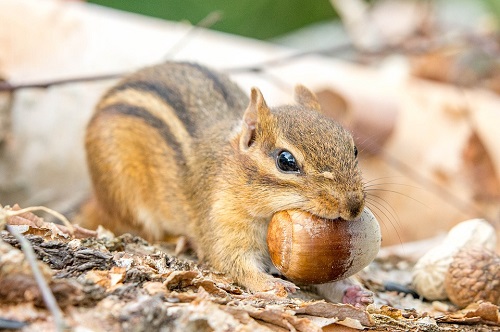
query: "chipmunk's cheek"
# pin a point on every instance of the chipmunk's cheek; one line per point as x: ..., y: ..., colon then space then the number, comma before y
x: 324, y: 205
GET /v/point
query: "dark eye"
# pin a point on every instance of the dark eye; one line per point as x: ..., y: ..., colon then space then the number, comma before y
x: 355, y: 152
x: 285, y: 161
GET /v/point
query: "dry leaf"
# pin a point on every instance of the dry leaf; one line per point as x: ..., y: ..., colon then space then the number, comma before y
x: 482, y: 312
x: 487, y: 311
x: 351, y: 323
x: 110, y: 280
x: 280, y: 318
x: 154, y: 287
x: 338, y: 328
x: 480, y: 171
x: 340, y: 311
x: 463, y: 65
x: 180, y: 279
x: 38, y: 226
x: 389, y: 312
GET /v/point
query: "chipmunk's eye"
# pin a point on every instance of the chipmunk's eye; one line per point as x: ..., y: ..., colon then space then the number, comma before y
x: 355, y: 152
x: 285, y: 161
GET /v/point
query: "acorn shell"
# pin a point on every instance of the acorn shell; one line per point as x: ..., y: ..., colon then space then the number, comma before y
x: 429, y: 273
x: 308, y: 249
x: 474, y: 275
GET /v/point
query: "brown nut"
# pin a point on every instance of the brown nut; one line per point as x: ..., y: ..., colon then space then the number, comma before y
x: 473, y: 275
x: 312, y: 250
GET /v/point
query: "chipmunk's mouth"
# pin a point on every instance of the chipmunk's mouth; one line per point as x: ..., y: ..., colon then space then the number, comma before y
x: 328, y: 216
x: 314, y: 214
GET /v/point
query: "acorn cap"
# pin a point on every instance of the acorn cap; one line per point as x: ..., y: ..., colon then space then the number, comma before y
x: 430, y: 271
x: 473, y: 275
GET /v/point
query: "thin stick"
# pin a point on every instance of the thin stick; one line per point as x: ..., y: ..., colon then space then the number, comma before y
x: 258, y: 67
x: 206, y: 22
x: 6, y: 86
x: 66, y: 222
x: 285, y: 59
x: 47, y: 295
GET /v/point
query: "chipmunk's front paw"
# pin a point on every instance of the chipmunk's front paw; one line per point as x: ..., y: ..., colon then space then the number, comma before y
x: 282, y: 287
x: 357, y: 296
x: 274, y: 287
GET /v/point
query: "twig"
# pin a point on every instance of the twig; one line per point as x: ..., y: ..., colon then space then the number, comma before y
x: 47, y: 295
x: 206, y: 22
x: 6, y: 213
x: 255, y: 68
x: 7, y: 87
x: 258, y: 67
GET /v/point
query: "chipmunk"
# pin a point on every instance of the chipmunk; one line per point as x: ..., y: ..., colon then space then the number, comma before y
x: 179, y: 149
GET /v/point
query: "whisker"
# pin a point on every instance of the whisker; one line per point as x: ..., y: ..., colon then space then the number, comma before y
x: 377, y: 205
x: 431, y: 185
x: 391, y: 183
x: 389, y: 210
x: 397, y: 192
x: 384, y: 177
x: 381, y: 221
x: 368, y: 143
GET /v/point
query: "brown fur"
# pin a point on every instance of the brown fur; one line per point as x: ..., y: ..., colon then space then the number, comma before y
x: 179, y: 149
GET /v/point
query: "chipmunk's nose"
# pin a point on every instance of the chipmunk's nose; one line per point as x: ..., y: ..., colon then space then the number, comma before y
x: 353, y: 205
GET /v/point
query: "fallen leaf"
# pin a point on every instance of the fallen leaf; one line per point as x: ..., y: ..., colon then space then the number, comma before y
x: 479, y: 312
x: 279, y: 318
x: 109, y: 279
x: 154, y: 288
x: 340, y: 311
x: 480, y: 171
x: 38, y: 226
x: 180, y: 279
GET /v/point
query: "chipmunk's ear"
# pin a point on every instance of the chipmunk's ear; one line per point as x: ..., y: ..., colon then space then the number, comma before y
x: 257, y: 109
x: 306, y: 98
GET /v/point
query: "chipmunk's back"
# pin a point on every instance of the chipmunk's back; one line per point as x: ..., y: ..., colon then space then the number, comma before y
x: 196, y: 95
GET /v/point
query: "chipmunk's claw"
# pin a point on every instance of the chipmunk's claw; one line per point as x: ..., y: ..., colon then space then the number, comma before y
x: 357, y: 296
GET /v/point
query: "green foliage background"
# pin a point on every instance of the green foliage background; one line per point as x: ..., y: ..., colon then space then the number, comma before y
x: 261, y: 19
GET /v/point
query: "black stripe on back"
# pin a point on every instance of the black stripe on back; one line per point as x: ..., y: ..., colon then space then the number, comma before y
x: 219, y: 85
x: 151, y: 120
x: 167, y: 94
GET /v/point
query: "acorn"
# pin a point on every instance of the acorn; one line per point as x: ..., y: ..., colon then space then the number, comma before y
x: 473, y: 275
x: 308, y: 249
x: 430, y: 271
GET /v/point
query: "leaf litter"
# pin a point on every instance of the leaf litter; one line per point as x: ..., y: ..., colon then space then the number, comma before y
x: 104, y: 282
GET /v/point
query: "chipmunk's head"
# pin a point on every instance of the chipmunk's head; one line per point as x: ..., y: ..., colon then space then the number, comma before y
x: 294, y: 157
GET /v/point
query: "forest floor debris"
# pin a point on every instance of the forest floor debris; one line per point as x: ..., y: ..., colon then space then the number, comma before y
x: 122, y: 283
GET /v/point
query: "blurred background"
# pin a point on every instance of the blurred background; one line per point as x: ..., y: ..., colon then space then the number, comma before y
x: 264, y: 19
x: 260, y: 19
